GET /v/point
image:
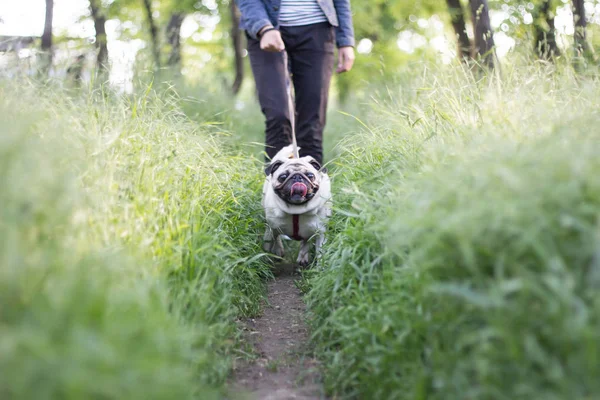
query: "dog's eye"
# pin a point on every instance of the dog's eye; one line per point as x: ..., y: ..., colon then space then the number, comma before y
x: 310, y: 176
x: 282, y: 178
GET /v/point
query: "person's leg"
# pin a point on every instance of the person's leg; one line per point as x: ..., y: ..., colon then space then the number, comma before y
x: 312, y: 61
x: 270, y: 77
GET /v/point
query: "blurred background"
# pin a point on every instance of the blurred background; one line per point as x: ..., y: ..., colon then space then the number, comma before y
x: 200, y: 42
x: 196, y: 47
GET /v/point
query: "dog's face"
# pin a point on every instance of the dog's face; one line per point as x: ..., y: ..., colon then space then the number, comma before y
x: 296, y: 181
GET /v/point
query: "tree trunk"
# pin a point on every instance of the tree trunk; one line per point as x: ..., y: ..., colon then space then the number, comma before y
x: 101, y: 42
x: 582, y: 47
x: 174, y: 38
x: 482, y: 29
x: 47, y: 36
x: 153, y: 33
x: 545, y: 33
x: 457, y: 16
x: 238, y: 48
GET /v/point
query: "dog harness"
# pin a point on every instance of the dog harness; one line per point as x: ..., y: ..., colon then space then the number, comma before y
x: 296, y: 227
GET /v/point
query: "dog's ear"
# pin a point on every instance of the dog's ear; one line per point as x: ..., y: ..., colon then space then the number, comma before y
x: 317, y: 166
x: 271, y: 168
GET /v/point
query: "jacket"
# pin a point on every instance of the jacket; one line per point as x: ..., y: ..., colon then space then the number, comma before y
x: 258, y: 13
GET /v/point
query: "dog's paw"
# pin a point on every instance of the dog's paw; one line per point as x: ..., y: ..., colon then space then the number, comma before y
x: 268, y: 246
x: 303, y: 260
x: 278, y: 249
x: 275, y: 247
x: 279, y: 252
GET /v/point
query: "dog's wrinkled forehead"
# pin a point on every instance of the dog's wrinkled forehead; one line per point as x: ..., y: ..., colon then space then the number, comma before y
x: 297, y: 167
x: 303, y: 165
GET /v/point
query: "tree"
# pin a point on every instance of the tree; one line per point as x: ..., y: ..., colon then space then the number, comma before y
x: 101, y: 42
x: 582, y: 47
x: 174, y: 38
x: 238, y: 47
x: 482, y: 29
x: 153, y: 33
x: 47, y: 36
x: 545, y: 32
x: 457, y: 17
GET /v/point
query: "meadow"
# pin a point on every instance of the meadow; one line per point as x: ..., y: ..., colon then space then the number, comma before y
x: 462, y: 261
x: 129, y: 247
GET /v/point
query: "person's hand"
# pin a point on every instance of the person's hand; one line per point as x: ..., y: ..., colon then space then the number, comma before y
x: 345, y: 59
x: 271, y: 41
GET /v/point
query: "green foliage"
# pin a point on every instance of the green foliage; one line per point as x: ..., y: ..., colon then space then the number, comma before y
x: 381, y: 20
x: 463, y: 260
x: 128, y: 247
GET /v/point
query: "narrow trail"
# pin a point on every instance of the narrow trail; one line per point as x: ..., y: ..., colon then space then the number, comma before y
x: 283, y: 369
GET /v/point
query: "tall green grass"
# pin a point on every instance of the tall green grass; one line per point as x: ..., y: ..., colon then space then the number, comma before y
x: 128, y: 247
x: 464, y: 255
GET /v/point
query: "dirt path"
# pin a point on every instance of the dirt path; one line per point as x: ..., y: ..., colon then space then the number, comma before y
x: 283, y: 368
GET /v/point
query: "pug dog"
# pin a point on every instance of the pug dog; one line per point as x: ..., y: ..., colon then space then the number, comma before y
x: 297, y: 203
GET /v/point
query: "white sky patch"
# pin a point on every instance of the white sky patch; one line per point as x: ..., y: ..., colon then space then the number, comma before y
x: 434, y: 31
x: 497, y: 18
x: 122, y: 55
x: 563, y: 22
x: 444, y: 48
x: 437, y: 23
x: 594, y: 12
x: 22, y: 18
x: 26, y: 17
x: 423, y: 23
x: 409, y: 41
x: 210, y: 4
x: 199, y: 27
x: 122, y: 59
x: 504, y: 44
x: 189, y: 27
x: 364, y: 46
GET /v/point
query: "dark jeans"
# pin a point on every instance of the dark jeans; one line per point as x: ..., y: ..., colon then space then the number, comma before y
x: 310, y: 51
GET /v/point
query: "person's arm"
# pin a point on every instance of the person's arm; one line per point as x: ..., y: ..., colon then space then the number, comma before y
x: 255, y: 16
x: 344, y: 36
x: 344, y: 31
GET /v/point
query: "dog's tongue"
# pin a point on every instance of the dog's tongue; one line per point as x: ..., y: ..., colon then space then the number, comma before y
x: 299, y: 188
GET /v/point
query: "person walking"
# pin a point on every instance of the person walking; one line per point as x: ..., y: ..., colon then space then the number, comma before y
x: 300, y: 35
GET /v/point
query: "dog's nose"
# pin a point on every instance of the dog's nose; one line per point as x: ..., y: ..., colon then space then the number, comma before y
x: 297, y: 178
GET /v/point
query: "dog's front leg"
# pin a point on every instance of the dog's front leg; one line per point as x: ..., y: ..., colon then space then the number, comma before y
x: 303, y: 254
x: 272, y: 243
x: 278, y: 249
x: 268, y: 240
x: 319, y: 245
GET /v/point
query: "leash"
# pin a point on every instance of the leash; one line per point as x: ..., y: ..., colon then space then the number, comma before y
x: 292, y: 110
x: 291, y: 107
